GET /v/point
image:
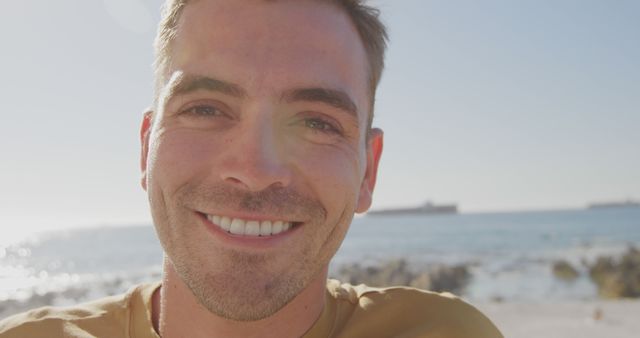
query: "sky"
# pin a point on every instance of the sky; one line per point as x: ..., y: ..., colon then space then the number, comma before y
x: 493, y: 105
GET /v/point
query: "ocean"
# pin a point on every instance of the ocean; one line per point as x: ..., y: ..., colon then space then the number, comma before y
x: 509, y: 254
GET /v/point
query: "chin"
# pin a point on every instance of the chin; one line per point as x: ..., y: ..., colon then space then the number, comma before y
x: 243, y: 291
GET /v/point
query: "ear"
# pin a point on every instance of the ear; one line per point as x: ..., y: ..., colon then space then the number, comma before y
x: 374, y: 151
x: 145, y: 131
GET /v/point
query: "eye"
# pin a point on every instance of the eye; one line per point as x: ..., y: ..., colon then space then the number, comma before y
x: 204, y: 111
x: 318, y: 124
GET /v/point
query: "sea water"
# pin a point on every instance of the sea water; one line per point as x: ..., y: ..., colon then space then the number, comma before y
x: 509, y: 254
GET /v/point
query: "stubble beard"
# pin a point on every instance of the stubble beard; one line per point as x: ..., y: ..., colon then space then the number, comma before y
x: 243, y: 291
x: 232, y: 284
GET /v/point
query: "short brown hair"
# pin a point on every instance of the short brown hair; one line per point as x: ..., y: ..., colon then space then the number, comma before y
x: 365, y: 18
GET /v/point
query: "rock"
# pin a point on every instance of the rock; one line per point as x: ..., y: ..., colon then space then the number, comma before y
x: 565, y: 271
x: 444, y: 278
x: 437, y: 278
x: 389, y: 273
x: 617, y: 278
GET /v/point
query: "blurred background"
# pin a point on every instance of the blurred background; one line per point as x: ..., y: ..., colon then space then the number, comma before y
x: 516, y: 120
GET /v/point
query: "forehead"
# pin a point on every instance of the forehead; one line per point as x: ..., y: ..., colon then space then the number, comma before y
x: 264, y: 45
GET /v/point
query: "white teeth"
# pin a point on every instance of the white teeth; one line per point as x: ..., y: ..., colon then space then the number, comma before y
x: 276, y: 228
x: 238, y: 226
x: 225, y: 223
x: 265, y: 228
x: 252, y: 228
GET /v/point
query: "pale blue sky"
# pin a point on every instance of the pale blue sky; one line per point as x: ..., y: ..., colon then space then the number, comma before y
x: 495, y: 105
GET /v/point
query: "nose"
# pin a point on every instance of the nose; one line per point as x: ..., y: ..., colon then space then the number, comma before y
x: 254, y: 159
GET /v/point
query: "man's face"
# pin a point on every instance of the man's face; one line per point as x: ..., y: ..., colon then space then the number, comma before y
x: 257, y: 157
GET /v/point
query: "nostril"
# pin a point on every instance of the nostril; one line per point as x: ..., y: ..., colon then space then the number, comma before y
x: 233, y: 180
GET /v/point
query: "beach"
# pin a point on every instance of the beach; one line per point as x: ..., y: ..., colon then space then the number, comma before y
x: 578, y: 319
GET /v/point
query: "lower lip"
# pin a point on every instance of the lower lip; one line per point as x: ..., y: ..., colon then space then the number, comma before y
x: 256, y: 242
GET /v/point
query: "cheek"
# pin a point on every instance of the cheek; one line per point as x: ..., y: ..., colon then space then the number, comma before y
x: 177, y: 157
x: 332, y: 173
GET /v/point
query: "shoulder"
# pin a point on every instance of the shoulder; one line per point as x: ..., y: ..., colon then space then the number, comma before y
x: 107, y: 316
x: 411, y: 312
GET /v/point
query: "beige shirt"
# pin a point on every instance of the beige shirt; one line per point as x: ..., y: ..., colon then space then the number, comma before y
x: 350, y: 311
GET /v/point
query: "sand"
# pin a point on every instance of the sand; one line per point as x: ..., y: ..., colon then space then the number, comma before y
x: 589, y: 319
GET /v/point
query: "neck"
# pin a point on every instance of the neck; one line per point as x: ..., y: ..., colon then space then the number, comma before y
x: 177, y: 313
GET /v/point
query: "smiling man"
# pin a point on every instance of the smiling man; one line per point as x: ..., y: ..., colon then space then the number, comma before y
x: 255, y: 157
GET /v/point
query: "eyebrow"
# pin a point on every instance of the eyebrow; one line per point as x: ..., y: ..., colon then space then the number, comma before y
x: 332, y: 97
x: 185, y: 83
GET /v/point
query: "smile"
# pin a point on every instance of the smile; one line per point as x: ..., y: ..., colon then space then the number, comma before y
x: 254, y: 228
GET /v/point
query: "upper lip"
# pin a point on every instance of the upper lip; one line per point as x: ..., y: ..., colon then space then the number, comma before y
x: 252, y: 217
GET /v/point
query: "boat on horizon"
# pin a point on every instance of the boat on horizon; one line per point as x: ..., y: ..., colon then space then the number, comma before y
x: 609, y: 205
x: 427, y: 208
